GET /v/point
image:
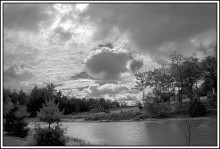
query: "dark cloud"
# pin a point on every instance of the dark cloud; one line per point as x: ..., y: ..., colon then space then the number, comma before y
x: 136, y: 65
x: 82, y: 75
x: 152, y: 25
x: 106, y: 64
x: 24, y: 16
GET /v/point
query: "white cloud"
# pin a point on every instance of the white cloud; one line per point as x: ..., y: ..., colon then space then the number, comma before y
x: 95, y: 90
x: 82, y: 7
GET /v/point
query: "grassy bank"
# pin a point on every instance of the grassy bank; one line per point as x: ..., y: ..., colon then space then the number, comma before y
x: 28, y: 141
x: 124, y: 114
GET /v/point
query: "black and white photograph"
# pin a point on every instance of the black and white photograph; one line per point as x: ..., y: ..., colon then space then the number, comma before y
x: 109, y: 74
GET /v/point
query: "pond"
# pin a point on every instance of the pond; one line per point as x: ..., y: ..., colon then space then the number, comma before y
x: 167, y: 132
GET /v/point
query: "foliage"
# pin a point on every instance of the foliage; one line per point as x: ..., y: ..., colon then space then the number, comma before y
x: 50, y: 112
x: 144, y: 79
x: 182, y: 109
x: 176, y: 70
x: 156, y: 110
x: 127, y: 114
x: 14, y: 116
x: 49, y: 136
x: 209, y: 65
x: 212, y: 100
x: 197, y: 109
x: 139, y: 105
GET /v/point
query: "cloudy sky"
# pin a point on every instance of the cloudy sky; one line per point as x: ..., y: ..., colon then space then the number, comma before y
x: 59, y: 43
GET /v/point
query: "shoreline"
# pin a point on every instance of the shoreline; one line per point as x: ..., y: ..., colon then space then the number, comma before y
x: 81, y: 120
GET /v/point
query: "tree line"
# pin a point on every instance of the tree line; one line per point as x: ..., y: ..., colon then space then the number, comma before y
x: 180, y: 77
x: 38, y: 96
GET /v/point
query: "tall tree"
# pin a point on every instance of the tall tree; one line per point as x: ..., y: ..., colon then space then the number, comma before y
x: 191, y: 74
x: 177, y: 71
x: 144, y: 79
x: 209, y: 69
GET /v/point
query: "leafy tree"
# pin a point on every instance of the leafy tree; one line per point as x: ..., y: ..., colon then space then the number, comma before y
x: 177, y: 71
x: 191, y: 73
x: 209, y: 71
x: 144, y: 79
x: 139, y: 105
x: 161, y: 82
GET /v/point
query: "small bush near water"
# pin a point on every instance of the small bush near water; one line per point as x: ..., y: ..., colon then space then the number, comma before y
x: 197, y: 109
x: 212, y: 100
x: 192, y: 109
x: 155, y: 110
x: 49, y: 136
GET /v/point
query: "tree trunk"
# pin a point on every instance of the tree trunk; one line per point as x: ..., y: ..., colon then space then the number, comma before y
x: 191, y: 89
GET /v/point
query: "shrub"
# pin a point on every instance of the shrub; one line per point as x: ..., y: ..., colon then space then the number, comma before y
x: 196, y: 109
x: 182, y: 108
x: 14, y: 120
x: 156, y: 110
x: 212, y: 100
x: 49, y: 136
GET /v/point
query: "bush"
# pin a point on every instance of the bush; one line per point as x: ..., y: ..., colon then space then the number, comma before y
x: 49, y: 136
x: 182, y: 108
x: 155, y: 110
x: 14, y: 120
x: 212, y: 100
x: 17, y: 128
x: 196, y: 109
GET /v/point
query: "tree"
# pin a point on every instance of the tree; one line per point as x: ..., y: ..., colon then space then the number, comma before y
x: 15, y: 118
x: 177, y: 71
x: 50, y: 112
x: 161, y: 82
x: 144, y: 79
x: 209, y: 71
x: 54, y: 136
x: 191, y: 74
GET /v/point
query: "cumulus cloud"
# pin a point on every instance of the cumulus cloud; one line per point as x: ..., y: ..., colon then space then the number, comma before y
x: 95, y: 90
x: 25, y: 16
x: 107, y: 64
x: 127, y: 97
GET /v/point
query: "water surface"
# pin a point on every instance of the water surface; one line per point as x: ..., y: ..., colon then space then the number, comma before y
x: 162, y: 132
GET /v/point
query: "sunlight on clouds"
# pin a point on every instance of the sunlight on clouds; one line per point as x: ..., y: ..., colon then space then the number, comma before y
x: 63, y: 8
x: 82, y: 7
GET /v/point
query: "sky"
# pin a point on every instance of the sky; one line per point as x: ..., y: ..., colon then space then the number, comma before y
x: 60, y: 44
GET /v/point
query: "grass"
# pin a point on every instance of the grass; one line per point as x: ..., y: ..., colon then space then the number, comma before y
x: 15, y: 141
x: 28, y: 141
x: 115, y: 115
x: 80, y: 142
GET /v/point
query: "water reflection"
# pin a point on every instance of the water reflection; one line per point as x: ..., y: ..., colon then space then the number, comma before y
x: 162, y: 132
